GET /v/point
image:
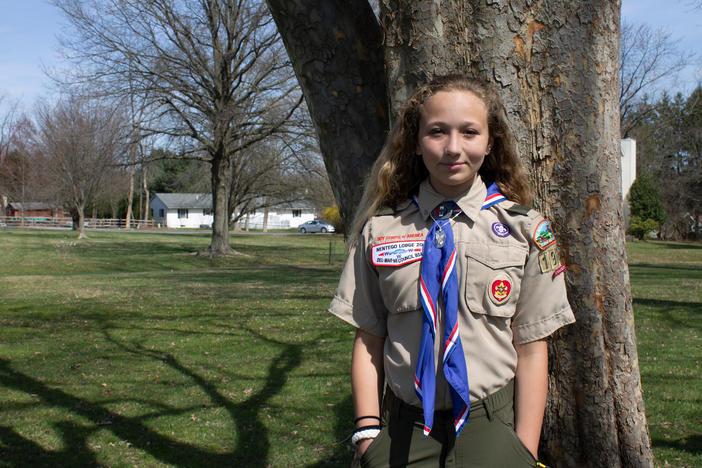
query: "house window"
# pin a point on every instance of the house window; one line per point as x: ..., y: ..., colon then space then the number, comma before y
x: 206, y: 212
x: 160, y: 213
x: 297, y: 213
x: 182, y: 212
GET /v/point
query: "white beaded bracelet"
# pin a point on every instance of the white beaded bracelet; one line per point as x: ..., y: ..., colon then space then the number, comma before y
x: 371, y: 433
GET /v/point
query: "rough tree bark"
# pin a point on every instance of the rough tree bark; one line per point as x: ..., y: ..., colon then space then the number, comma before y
x: 336, y: 51
x: 556, y: 65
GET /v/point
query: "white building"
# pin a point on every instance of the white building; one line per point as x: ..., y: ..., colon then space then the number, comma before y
x: 182, y: 210
x: 194, y: 210
x: 628, y: 165
x: 282, y: 216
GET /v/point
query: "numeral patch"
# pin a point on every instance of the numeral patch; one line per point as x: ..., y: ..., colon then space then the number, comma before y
x: 549, y: 260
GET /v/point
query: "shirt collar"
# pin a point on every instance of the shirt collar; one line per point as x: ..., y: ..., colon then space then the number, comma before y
x: 470, y: 202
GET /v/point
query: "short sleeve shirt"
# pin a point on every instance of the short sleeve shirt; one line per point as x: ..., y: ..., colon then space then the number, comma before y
x: 510, y: 285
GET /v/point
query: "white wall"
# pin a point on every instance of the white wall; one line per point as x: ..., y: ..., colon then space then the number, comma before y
x: 194, y: 220
x: 628, y: 165
x: 277, y: 220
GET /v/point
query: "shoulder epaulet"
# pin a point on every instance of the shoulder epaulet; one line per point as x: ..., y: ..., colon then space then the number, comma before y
x: 389, y: 211
x: 518, y: 209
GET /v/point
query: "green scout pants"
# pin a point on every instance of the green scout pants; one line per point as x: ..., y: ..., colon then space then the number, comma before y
x: 488, y: 439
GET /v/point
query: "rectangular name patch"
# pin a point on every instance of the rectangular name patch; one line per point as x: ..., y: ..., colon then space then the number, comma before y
x: 397, y: 253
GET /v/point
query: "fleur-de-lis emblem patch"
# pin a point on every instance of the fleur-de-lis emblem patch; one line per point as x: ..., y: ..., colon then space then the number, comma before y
x: 500, y: 290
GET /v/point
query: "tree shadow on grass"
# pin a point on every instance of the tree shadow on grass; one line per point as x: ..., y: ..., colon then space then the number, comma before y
x: 253, y: 443
x: 691, y: 444
x: 668, y: 307
x: 343, y: 427
x: 24, y: 452
x: 680, y: 246
x: 637, y: 268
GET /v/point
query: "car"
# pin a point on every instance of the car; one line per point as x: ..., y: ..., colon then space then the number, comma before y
x: 316, y: 225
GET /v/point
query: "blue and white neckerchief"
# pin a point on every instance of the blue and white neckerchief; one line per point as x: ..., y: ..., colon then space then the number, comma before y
x: 438, y: 275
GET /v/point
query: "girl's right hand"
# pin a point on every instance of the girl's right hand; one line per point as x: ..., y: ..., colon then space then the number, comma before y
x: 361, y: 448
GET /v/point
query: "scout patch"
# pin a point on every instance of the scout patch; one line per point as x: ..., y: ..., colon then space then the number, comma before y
x: 549, y: 260
x: 500, y: 289
x: 397, y: 253
x: 558, y: 271
x: 500, y: 229
x: 543, y: 235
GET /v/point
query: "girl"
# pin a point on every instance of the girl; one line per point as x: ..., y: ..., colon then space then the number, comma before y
x: 453, y: 286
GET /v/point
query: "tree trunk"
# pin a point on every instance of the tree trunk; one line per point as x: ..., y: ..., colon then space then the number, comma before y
x: 556, y: 63
x: 79, y: 221
x: 336, y: 51
x: 130, y: 193
x: 145, y: 186
x: 221, y: 185
x: 265, y: 219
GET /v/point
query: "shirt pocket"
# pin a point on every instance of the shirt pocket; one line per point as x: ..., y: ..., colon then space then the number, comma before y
x: 399, y: 287
x: 493, y: 278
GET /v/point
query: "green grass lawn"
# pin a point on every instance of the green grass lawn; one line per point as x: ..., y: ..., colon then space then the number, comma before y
x: 666, y: 281
x: 125, y: 349
x: 128, y: 350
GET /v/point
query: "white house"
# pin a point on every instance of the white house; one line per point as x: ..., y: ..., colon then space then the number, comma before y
x: 281, y: 216
x: 182, y: 210
x: 194, y: 210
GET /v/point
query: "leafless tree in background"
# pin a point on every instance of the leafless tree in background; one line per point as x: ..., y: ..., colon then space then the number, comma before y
x: 212, y: 73
x: 22, y: 174
x: 646, y: 59
x: 81, y: 141
x: 7, y: 116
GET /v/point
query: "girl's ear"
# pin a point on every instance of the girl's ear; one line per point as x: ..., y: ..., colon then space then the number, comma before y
x: 489, y: 146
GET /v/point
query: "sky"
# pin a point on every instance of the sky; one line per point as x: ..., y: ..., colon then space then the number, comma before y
x: 28, y: 44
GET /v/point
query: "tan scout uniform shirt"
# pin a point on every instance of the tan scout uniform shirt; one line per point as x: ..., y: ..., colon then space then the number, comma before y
x: 504, y: 297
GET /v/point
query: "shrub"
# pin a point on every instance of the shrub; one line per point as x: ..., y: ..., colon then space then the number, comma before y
x: 332, y: 216
x: 642, y: 229
x: 645, y: 200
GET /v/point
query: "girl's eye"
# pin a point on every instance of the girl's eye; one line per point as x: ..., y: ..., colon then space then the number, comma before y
x: 436, y: 131
x: 470, y: 131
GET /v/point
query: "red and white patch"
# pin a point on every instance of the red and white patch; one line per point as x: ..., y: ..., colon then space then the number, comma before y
x: 558, y: 271
x: 500, y: 289
x: 397, y: 253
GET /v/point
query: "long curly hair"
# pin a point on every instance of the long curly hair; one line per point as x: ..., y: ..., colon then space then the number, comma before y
x: 399, y: 170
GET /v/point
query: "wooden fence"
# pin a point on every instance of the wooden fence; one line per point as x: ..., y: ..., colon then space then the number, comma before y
x: 90, y: 223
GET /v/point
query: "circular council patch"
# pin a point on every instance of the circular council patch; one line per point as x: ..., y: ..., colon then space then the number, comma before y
x: 500, y: 289
x: 543, y: 235
x: 500, y: 229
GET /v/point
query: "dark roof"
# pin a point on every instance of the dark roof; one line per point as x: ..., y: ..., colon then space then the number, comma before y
x: 32, y: 206
x: 185, y: 200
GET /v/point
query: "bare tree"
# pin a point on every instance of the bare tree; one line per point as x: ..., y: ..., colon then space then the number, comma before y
x: 212, y: 72
x: 21, y: 167
x: 111, y: 192
x: 81, y: 140
x: 7, y: 117
x: 272, y: 172
x: 646, y: 59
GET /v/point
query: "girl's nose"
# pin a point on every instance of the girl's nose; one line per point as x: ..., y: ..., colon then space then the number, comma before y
x: 453, y: 143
